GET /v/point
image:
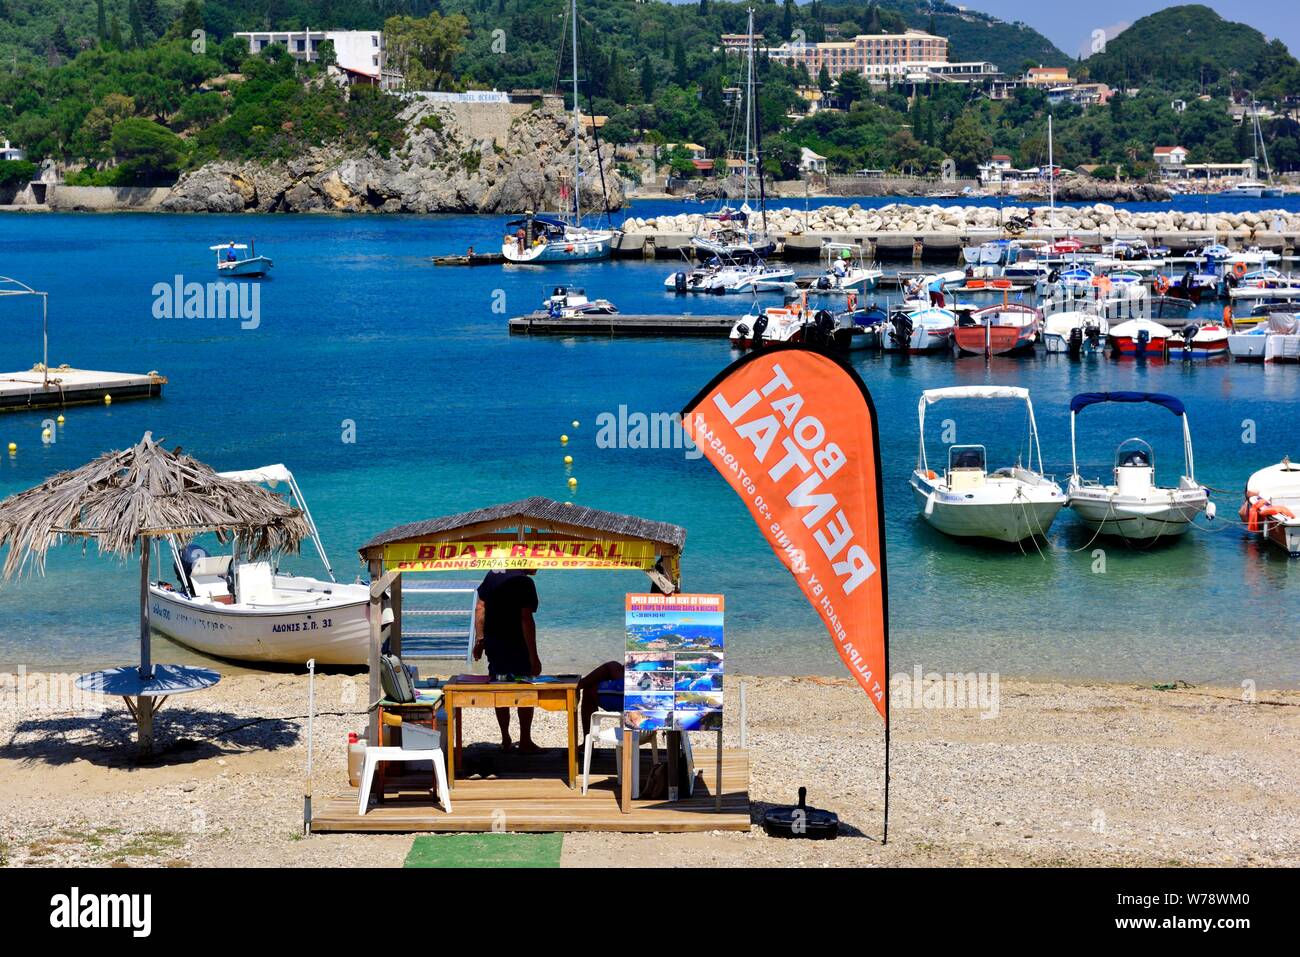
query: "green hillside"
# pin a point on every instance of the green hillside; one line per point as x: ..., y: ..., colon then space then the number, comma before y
x: 1189, y: 48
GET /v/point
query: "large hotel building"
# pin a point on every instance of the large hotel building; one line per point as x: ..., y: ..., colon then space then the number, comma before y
x: 876, y: 56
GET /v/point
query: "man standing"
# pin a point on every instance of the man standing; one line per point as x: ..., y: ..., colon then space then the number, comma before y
x: 504, y: 628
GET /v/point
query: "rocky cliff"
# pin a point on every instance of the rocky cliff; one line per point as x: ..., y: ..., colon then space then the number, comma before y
x: 441, y: 167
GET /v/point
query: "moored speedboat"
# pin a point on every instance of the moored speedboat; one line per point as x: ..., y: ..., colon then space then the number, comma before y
x: 1138, y: 338
x: 232, y: 261
x: 539, y: 240
x: 918, y: 329
x: 1276, y: 339
x: 1199, y: 340
x: 966, y: 501
x: 1132, y: 506
x: 569, y: 301
x: 1006, y: 329
x: 1075, y: 332
x: 250, y: 611
x: 1272, y: 502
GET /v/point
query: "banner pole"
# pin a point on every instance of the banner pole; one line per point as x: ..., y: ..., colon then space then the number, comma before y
x: 884, y: 839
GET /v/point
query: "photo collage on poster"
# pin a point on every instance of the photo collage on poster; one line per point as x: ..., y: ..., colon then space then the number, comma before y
x: 673, y: 668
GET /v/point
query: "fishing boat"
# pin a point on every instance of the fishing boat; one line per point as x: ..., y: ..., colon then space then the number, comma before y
x: 753, y: 277
x: 1006, y: 329
x: 540, y: 240
x: 917, y: 329
x: 1132, y: 506
x: 250, y: 611
x: 566, y: 302
x: 1138, y: 338
x: 1075, y: 332
x: 1272, y: 502
x: 231, y: 260
x: 1199, y: 340
x: 967, y: 501
x: 1275, y: 339
x: 784, y: 323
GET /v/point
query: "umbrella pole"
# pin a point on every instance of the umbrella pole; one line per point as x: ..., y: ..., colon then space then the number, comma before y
x: 144, y: 706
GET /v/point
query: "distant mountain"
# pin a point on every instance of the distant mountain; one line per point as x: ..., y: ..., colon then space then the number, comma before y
x: 971, y: 35
x: 1191, y: 47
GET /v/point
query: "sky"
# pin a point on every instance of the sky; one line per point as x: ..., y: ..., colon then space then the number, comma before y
x: 1070, y: 26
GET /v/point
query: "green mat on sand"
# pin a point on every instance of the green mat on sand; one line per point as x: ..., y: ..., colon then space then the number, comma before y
x: 486, y: 850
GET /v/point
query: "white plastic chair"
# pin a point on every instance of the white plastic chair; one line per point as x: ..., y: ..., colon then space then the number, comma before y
x: 606, y: 730
x: 376, y: 754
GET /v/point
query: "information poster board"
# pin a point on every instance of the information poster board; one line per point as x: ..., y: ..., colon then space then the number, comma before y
x: 672, y: 678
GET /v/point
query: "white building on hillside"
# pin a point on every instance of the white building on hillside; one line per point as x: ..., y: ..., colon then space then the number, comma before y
x: 359, y: 54
x: 8, y: 152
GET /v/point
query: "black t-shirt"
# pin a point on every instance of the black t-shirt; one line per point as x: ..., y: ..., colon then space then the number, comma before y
x: 505, y: 595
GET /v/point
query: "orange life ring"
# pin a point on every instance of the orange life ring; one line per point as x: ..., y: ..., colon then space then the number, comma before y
x: 1239, y: 270
x: 1268, y: 511
x: 1227, y: 316
x: 1162, y: 284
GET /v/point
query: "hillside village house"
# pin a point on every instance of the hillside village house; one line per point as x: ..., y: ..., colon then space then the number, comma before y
x: 8, y: 152
x: 359, y: 54
x: 1046, y: 77
x: 810, y: 162
x: 1170, y: 159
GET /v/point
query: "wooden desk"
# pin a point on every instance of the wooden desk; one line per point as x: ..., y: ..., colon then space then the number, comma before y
x: 548, y: 695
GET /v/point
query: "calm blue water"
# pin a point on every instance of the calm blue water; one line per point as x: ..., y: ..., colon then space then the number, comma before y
x: 451, y: 413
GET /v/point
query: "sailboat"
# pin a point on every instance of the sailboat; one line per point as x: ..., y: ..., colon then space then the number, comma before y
x: 1251, y: 188
x: 538, y: 239
x: 967, y: 501
x: 1133, y: 507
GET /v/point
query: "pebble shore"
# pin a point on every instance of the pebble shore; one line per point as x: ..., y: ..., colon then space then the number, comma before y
x: 1064, y: 774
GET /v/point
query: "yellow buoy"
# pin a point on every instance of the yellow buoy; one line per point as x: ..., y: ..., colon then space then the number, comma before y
x: 572, y: 482
x: 59, y: 420
x: 45, y: 435
x: 108, y: 400
x: 564, y: 439
x: 13, y: 446
x: 568, y: 460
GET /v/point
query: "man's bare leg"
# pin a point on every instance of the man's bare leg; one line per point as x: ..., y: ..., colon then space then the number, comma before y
x: 526, y: 745
x: 503, y: 719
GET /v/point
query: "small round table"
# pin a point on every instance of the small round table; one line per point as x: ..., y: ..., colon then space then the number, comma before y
x: 145, y: 696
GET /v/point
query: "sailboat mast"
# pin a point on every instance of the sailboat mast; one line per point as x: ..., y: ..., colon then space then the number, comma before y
x: 1051, y: 176
x: 749, y: 97
x: 577, y: 124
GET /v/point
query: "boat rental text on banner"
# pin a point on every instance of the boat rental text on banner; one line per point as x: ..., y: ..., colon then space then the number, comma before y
x: 794, y: 432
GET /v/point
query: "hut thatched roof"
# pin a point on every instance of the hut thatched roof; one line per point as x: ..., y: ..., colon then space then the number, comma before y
x: 140, y: 492
x: 536, y: 512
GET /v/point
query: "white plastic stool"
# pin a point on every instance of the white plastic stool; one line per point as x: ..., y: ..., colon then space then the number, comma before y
x: 375, y: 755
x: 607, y: 729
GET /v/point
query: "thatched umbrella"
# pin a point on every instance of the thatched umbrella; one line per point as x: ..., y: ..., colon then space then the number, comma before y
x: 122, y: 500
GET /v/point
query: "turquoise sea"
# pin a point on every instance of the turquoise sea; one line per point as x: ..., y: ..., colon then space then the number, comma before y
x: 358, y: 327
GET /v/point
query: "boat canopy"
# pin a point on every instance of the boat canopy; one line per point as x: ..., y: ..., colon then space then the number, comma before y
x: 1085, y: 399
x: 269, y: 474
x: 931, y: 396
x: 228, y: 246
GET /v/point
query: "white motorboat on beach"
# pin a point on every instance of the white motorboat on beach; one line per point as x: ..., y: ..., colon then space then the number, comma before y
x: 966, y: 501
x: 1272, y: 502
x: 1132, y: 506
x: 250, y: 611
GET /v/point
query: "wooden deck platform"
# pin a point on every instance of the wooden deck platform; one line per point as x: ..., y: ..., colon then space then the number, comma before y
x: 517, y: 793
x: 66, y: 386
x: 621, y: 324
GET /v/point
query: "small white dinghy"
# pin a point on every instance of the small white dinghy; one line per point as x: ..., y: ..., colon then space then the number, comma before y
x: 249, y: 611
x: 1133, y: 507
x: 1009, y: 505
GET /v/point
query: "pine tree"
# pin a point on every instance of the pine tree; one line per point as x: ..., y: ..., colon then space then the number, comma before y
x: 787, y: 19
x: 115, y: 33
x: 101, y: 21
x: 704, y: 8
x: 682, y: 73
x: 191, y: 18
x: 648, y: 80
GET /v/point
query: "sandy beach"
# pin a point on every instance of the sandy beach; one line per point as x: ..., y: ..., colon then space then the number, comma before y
x: 1055, y: 774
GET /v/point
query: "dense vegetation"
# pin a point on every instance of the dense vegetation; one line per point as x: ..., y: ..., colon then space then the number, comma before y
x: 139, y: 104
x: 1191, y: 49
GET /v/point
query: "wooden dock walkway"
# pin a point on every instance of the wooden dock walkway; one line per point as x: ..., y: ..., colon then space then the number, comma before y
x: 619, y: 324
x: 32, y: 389
x: 529, y: 793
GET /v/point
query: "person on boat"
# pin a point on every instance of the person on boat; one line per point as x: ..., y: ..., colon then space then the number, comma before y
x: 230, y: 253
x: 936, y: 292
x: 506, y: 632
x: 606, y: 680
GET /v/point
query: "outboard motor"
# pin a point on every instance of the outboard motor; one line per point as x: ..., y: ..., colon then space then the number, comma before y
x: 900, y: 331
x: 1075, y: 344
x: 760, y: 327
x: 823, y: 282
x: 679, y: 282
x: 190, y: 554
x: 1143, y: 339
x: 1094, y: 337
x: 742, y: 331
x: 823, y: 327
x: 1054, y: 276
x: 1189, y: 333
